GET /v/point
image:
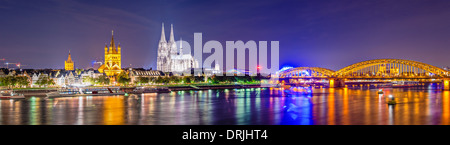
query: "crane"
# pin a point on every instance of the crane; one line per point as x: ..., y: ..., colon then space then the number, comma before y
x: 7, y: 64
x: 19, y: 65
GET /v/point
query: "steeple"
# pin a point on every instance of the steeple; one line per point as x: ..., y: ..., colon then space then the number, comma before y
x: 163, y: 37
x: 69, y: 59
x: 112, y: 47
x: 172, y: 39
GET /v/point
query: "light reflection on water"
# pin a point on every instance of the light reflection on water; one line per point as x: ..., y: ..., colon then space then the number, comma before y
x: 327, y: 106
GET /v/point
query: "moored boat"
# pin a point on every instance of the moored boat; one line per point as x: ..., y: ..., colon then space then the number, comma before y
x: 11, y: 95
x: 141, y: 90
x: 99, y: 91
x: 380, y: 91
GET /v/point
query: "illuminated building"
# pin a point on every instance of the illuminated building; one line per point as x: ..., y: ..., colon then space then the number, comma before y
x: 170, y: 59
x: 112, y: 65
x: 135, y: 74
x: 68, y: 64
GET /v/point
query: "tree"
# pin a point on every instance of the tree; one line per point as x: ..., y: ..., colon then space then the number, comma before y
x: 8, y: 81
x: 44, y: 81
x: 50, y: 81
x: 188, y: 79
x: 123, y: 78
x: 3, y: 81
x: 199, y: 79
x: 215, y: 79
x: 164, y: 80
x: 41, y: 81
x: 153, y: 79
x: 174, y: 79
x: 102, y: 80
x: 88, y: 79
x: 78, y: 71
x: 22, y: 81
x: 142, y: 80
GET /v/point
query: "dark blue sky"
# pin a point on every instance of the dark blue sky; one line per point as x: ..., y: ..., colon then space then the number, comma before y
x: 330, y: 34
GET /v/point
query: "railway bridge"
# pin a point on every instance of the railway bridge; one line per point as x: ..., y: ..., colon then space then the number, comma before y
x: 366, y: 72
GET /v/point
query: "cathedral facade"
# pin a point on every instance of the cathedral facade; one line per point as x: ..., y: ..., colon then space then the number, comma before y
x: 68, y: 64
x: 170, y: 59
x: 112, y: 65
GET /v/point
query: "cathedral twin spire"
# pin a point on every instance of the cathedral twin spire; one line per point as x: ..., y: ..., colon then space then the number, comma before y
x: 163, y: 36
x: 172, y: 39
x: 170, y: 58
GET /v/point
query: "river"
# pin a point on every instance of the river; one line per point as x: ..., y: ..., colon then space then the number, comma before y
x: 256, y: 106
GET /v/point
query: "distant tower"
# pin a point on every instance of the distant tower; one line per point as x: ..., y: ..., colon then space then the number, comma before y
x: 112, y: 65
x: 68, y: 64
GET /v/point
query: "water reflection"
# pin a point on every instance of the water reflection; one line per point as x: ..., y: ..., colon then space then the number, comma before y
x: 340, y: 106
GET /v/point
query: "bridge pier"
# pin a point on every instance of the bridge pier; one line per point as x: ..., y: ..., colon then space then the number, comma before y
x: 336, y: 83
x: 445, y: 84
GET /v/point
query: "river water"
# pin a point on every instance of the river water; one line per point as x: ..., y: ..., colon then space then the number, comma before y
x: 257, y: 106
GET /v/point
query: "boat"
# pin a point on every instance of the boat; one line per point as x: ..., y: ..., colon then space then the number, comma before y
x: 11, y: 95
x: 401, y: 84
x: 141, y: 90
x: 380, y: 91
x: 89, y: 91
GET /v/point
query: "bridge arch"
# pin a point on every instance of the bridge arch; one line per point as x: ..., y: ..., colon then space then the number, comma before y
x: 306, y: 72
x: 399, y: 65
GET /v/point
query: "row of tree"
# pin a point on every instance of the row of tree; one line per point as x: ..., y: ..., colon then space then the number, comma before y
x: 124, y: 79
x: 23, y: 82
x: 101, y: 80
x: 197, y: 79
x: 168, y: 80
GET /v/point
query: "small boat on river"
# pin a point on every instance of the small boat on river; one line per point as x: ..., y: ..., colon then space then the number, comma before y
x: 142, y: 90
x: 7, y: 94
x: 86, y: 91
x: 380, y: 91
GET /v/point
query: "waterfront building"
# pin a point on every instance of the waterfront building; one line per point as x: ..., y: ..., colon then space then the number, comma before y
x: 135, y: 74
x: 63, y: 78
x: 35, y: 77
x: 68, y: 64
x: 170, y: 59
x: 112, y: 65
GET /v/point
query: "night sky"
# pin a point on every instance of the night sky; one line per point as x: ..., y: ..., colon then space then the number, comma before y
x: 329, y: 34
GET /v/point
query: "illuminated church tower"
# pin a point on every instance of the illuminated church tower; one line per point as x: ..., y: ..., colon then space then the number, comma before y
x: 68, y: 64
x: 112, y: 65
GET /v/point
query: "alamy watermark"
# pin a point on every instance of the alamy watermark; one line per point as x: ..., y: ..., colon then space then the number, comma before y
x: 258, y: 61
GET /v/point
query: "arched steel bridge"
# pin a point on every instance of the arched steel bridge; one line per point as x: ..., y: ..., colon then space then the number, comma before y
x: 385, y: 68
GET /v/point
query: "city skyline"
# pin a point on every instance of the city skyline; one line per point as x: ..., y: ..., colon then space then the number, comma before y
x: 323, y: 34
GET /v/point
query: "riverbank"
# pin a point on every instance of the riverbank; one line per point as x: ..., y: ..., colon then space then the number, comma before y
x: 41, y: 92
